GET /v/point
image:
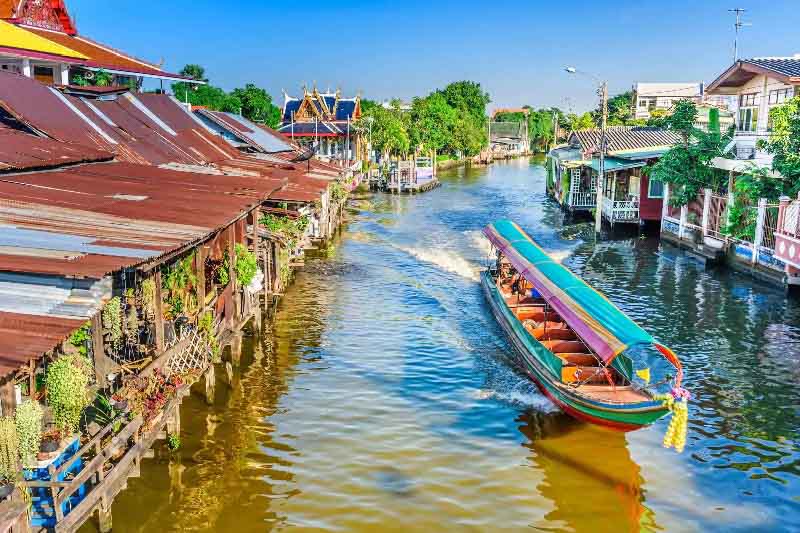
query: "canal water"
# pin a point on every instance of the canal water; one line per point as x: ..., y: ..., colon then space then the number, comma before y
x: 381, y: 400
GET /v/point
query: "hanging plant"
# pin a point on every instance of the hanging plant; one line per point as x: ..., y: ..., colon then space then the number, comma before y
x: 222, y: 274
x: 206, y: 328
x: 28, y: 420
x: 112, y: 321
x: 246, y: 265
x: 67, y: 391
x: 148, y: 289
x: 9, y: 450
x: 81, y: 337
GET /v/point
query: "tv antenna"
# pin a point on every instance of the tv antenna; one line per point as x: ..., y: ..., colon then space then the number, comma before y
x: 738, y: 25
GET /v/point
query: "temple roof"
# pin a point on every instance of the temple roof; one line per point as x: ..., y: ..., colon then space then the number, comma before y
x: 327, y: 107
x: 18, y: 38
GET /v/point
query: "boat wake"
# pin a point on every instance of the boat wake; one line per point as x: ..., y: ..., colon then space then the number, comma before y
x: 447, y: 260
x: 522, y: 396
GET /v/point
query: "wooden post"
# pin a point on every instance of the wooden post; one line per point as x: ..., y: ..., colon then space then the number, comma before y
x: 8, y: 398
x: 236, y: 348
x: 159, y: 311
x: 232, y: 273
x: 104, y: 522
x: 200, y: 269
x: 706, y: 211
x: 103, y: 365
x: 210, y: 382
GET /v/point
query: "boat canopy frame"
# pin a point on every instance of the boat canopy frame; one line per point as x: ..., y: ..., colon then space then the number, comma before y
x: 600, y: 324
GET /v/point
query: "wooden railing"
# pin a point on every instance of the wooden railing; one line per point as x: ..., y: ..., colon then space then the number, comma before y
x: 582, y: 199
x: 621, y: 210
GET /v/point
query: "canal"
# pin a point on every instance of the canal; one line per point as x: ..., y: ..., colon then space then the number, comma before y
x: 381, y: 400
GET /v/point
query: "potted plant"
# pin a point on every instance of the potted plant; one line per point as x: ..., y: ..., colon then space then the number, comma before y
x: 9, y: 456
x: 50, y: 443
x: 67, y: 392
x: 28, y: 420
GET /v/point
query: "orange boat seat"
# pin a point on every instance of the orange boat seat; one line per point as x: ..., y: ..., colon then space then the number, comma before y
x: 580, y: 359
x: 535, y: 313
x: 587, y: 374
x: 549, y: 334
x: 564, y: 346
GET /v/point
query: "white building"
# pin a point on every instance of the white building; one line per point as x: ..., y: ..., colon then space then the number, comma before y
x: 758, y: 84
x: 651, y: 96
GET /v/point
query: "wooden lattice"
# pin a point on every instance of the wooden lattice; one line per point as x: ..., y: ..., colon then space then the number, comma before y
x: 195, y: 356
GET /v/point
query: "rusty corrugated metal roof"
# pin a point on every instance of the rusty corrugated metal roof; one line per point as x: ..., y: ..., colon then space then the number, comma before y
x: 25, y: 338
x: 22, y: 151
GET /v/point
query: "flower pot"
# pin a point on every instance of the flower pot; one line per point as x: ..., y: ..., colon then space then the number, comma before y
x: 6, y: 490
x: 49, y: 446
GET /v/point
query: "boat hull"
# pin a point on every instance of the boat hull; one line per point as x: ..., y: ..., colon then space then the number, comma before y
x: 528, y: 356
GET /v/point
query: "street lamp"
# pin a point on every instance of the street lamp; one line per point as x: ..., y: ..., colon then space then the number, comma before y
x: 603, y: 90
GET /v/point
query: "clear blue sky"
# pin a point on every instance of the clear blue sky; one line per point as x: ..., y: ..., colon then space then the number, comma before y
x: 517, y: 50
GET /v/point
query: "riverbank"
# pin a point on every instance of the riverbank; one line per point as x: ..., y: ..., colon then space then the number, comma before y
x: 383, y: 347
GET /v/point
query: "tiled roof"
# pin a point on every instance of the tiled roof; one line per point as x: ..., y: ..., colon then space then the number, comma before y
x: 103, y: 56
x: 788, y: 66
x: 345, y: 109
x: 18, y: 38
x: 624, y: 138
x: 291, y: 107
x: 312, y: 129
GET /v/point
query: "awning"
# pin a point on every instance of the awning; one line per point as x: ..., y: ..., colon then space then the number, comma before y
x: 599, y: 323
x: 612, y: 164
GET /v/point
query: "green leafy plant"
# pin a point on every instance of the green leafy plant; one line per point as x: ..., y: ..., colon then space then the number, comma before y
x: 9, y: 450
x: 206, y: 328
x: 178, y: 281
x: 112, y: 321
x: 28, y: 421
x: 105, y: 412
x: 173, y: 442
x: 67, y: 391
x: 338, y: 192
x: 81, y: 337
x: 246, y: 264
x: 103, y: 78
x: 148, y: 290
x: 222, y: 274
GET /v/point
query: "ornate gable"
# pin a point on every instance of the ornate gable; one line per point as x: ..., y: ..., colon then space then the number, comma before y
x: 308, y: 110
x: 46, y: 14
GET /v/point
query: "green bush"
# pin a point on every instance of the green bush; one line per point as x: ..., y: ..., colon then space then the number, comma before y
x: 9, y: 449
x: 246, y: 264
x: 28, y: 421
x: 67, y: 391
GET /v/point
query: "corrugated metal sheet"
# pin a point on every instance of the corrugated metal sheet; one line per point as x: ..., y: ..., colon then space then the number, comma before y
x: 621, y: 138
x: 25, y: 338
x: 248, y: 132
x: 22, y: 151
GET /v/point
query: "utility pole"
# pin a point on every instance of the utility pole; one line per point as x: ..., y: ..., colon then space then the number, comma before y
x: 738, y: 25
x: 598, y: 216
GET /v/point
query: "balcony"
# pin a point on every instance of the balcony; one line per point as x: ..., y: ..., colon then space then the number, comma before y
x: 621, y: 210
x: 582, y: 200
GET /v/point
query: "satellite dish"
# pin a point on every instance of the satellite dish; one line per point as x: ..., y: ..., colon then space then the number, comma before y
x: 305, y: 154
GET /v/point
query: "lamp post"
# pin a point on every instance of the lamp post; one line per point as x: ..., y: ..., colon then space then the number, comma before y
x: 603, y: 93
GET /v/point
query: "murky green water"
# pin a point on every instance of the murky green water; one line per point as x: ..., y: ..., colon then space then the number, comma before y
x: 383, y: 403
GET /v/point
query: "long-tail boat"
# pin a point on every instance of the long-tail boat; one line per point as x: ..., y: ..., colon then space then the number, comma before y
x: 582, y: 351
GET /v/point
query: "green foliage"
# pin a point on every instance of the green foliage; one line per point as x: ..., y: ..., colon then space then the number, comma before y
x: 784, y: 143
x: 80, y: 80
x: 468, y: 98
x: 687, y: 166
x: 9, y: 450
x: 28, y: 422
x: 246, y: 264
x: 112, y: 321
x: 67, y: 391
x: 104, y: 410
x: 620, y: 110
x: 206, y: 328
x: 195, y: 72
x: 81, y: 337
x: 580, y: 122
x: 103, y: 78
x: 386, y: 127
x: 750, y: 188
x: 338, y: 194
x: 148, y: 290
x: 222, y: 275
x: 257, y: 105
x: 173, y: 442
x: 293, y: 229
x: 432, y: 122
x: 178, y: 280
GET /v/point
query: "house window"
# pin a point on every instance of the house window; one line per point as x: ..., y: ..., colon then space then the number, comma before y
x: 655, y: 189
x: 748, y: 100
x: 647, y: 103
x: 779, y: 96
x: 748, y: 119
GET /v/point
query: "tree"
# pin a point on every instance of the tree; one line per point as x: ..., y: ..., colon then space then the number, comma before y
x: 620, y: 110
x: 432, y: 121
x: 582, y: 122
x: 467, y: 97
x: 387, y: 129
x: 206, y: 96
x: 784, y: 143
x: 195, y: 72
x: 687, y: 165
x: 257, y: 105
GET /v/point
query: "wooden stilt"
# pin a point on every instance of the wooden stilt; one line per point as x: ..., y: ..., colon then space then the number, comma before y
x: 104, y: 523
x: 210, y: 385
x: 236, y: 349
